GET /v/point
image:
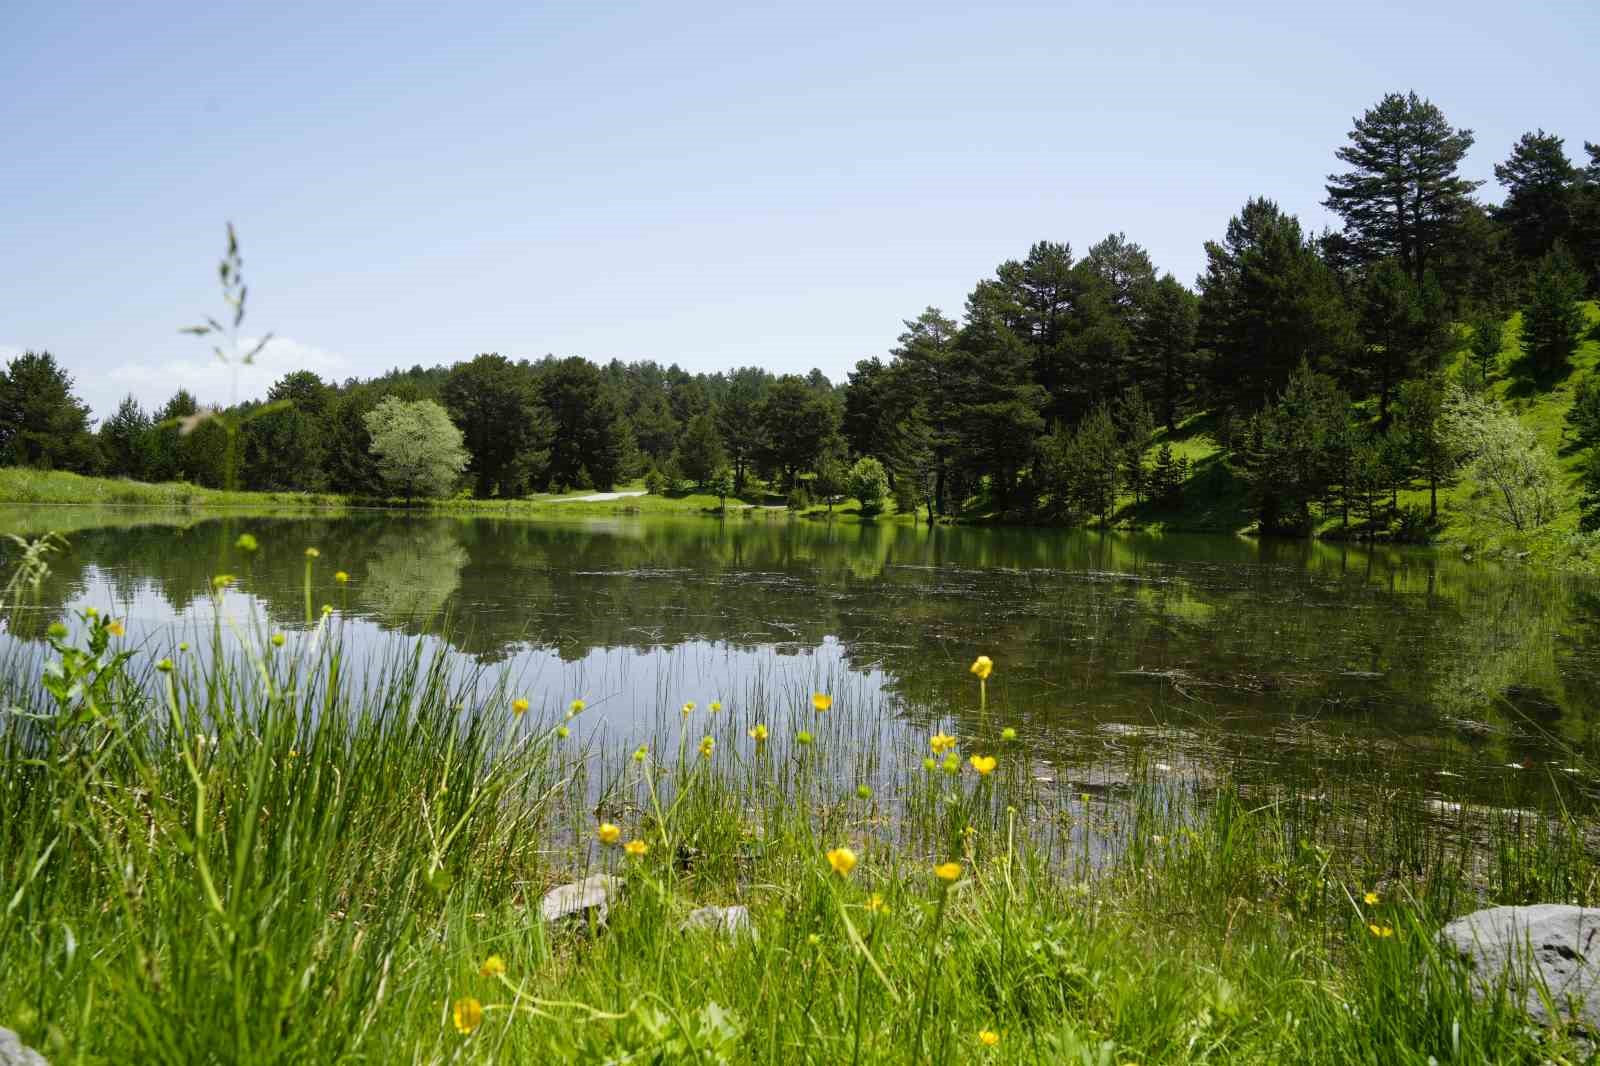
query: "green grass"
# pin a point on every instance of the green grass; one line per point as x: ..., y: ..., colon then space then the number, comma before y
x: 25, y: 486
x: 262, y: 857
x: 1214, y: 499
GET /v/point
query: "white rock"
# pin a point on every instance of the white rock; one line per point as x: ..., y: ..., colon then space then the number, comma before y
x: 1546, y: 947
x: 593, y: 894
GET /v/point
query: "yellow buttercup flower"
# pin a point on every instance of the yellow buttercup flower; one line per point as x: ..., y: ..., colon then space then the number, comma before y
x: 821, y: 701
x: 608, y: 833
x: 758, y: 733
x: 312, y: 553
x: 843, y: 860
x: 982, y: 667
x: 340, y: 576
x: 575, y: 708
x: 519, y: 707
x: 984, y: 764
x: 688, y: 709
x: 1371, y: 899
x: 941, y: 743
x: 988, y: 1037
x: 637, y: 848
x: 467, y: 1014
x: 707, y: 744
x: 949, y: 872
x: 716, y: 705
x: 1380, y: 931
x: 875, y: 903
x: 493, y: 966
x: 114, y: 627
x: 641, y: 753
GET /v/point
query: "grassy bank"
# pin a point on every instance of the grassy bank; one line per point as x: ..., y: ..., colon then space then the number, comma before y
x: 240, y: 851
x: 20, y: 485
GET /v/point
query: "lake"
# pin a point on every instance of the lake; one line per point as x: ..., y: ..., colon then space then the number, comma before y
x: 1294, y: 663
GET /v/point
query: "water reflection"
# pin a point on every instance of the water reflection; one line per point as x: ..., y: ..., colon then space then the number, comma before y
x: 1276, y: 656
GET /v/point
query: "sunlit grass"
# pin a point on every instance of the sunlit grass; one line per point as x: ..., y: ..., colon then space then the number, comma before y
x: 256, y: 855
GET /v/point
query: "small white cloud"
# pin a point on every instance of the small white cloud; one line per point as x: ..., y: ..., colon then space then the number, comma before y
x: 213, y: 381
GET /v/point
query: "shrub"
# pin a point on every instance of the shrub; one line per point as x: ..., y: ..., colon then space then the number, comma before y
x: 869, y: 484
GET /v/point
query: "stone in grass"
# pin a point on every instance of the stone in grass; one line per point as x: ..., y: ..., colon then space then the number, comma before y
x: 13, y: 1053
x: 591, y: 897
x: 1548, y: 956
x: 734, y: 921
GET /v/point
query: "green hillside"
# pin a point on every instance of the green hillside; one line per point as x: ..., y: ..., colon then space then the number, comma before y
x: 1215, y: 500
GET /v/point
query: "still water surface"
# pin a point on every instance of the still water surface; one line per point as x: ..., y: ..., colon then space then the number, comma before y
x: 1282, y: 661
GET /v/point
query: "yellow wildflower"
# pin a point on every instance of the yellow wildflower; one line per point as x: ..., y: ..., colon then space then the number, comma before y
x: 641, y: 753
x: 688, y: 709
x: 1371, y: 899
x: 1008, y: 733
x: 843, y: 860
x: 312, y: 553
x: 716, y: 705
x: 637, y: 848
x: 941, y: 743
x: 467, y: 1014
x: 246, y: 542
x: 165, y: 666
x: 277, y: 640
x: 875, y: 903
x: 982, y: 667
x: 984, y: 764
x: 114, y: 627
x: 608, y: 833
x: 758, y: 733
x: 519, y: 707
x: 707, y: 744
x: 221, y: 581
x: 949, y: 872
x: 929, y: 764
x: 988, y: 1037
x: 563, y: 732
x: 821, y: 701
x: 1380, y: 930
x: 493, y: 966
x: 340, y: 576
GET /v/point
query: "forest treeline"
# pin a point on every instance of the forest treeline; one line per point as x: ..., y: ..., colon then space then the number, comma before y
x: 1321, y: 364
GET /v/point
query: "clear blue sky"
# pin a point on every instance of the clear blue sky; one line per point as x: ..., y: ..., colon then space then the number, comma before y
x: 713, y: 186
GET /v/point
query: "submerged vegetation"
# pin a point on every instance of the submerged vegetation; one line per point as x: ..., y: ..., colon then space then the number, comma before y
x: 252, y: 846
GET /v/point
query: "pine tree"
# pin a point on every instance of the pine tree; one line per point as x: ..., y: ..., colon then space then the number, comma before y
x: 1552, y: 321
x: 1402, y: 195
x: 1538, y: 208
x: 1267, y: 303
x: 125, y: 441
x: 1135, y: 426
x: 1488, y: 336
x: 42, y: 422
x: 700, y: 453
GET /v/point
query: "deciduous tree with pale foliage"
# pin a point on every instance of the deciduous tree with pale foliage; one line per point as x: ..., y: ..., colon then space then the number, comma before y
x: 420, y: 452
